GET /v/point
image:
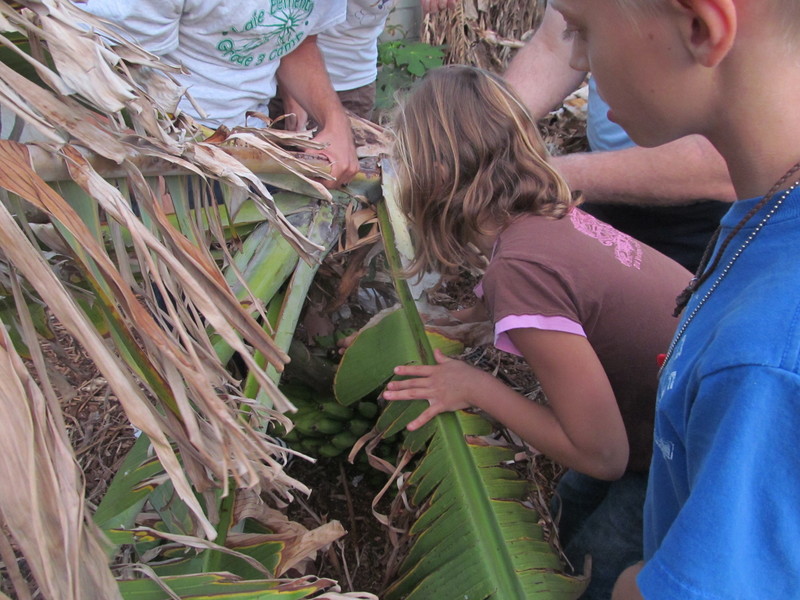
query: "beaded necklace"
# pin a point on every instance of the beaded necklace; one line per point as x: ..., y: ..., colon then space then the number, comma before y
x: 704, y: 273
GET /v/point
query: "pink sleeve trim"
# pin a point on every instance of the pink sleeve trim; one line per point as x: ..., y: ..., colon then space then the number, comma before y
x: 503, y: 342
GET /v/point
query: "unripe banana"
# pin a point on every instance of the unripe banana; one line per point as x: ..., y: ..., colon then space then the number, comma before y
x: 307, y: 424
x: 329, y: 450
x: 330, y: 426
x: 337, y: 411
x: 344, y: 440
x: 359, y: 426
x: 368, y: 410
x: 311, y: 445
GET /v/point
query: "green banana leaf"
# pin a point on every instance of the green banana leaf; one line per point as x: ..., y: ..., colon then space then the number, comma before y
x: 129, y: 488
x: 265, y: 262
x: 477, y: 539
x: 383, y: 346
x: 216, y: 586
x: 324, y: 229
x: 182, y: 563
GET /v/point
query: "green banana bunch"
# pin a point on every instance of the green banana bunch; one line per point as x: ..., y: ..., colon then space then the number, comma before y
x: 322, y: 426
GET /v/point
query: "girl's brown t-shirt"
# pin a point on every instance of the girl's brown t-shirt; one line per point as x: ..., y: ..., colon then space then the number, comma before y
x: 580, y: 275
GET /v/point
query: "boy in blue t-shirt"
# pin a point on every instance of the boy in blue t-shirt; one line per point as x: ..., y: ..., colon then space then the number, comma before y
x: 721, y: 517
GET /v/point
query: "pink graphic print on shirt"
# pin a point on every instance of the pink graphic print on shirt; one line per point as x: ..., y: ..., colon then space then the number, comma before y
x: 626, y: 250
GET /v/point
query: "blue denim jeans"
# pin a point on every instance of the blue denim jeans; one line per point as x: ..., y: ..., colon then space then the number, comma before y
x: 604, y: 520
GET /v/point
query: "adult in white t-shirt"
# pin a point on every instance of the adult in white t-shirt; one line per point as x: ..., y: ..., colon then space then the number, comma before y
x: 237, y: 52
x: 350, y: 50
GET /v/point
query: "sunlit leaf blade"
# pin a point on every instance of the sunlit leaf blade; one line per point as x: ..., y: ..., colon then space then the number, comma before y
x: 459, y: 511
x: 323, y: 230
x: 268, y: 553
x: 263, y: 265
x: 368, y: 362
x: 217, y: 586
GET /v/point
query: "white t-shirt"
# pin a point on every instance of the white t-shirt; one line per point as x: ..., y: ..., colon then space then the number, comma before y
x: 231, y: 48
x: 350, y: 49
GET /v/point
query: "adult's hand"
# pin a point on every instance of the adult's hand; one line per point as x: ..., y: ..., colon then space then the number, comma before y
x: 302, y: 76
x: 341, y: 151
x: 296, y: 115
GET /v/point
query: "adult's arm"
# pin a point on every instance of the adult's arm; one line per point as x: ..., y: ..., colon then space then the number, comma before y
x: 540, y: 71
x: 680, y: 172
x: 434, y: 6
x: 303, y: 76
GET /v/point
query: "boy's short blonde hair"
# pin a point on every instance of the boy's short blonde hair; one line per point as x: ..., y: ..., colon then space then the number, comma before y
x: 786, y: 13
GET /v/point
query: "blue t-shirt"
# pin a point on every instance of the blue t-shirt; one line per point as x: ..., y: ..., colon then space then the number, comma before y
x: 722, y: 515
x: 602, y: 133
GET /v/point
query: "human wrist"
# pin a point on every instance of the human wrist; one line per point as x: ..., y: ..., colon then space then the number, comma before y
x: 333, y: 117
x: 481, y: 389
x: 574, y: 168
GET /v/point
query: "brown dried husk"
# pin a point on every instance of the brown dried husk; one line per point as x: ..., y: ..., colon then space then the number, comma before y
x: 483, y: 33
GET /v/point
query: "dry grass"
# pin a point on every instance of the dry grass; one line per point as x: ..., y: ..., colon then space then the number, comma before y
x: 481, y: 33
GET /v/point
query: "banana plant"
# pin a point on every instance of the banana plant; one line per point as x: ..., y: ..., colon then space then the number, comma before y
x: 477, y: 536
x: 150, y: 297
x: 263, y: 265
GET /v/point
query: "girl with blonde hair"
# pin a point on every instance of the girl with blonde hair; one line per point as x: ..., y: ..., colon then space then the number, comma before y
x: 588, y: 307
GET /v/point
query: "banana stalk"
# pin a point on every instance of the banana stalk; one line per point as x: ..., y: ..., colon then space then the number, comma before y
x: 324, y: 230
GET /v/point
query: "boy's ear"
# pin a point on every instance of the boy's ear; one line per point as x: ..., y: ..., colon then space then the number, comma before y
x: 709, y: 28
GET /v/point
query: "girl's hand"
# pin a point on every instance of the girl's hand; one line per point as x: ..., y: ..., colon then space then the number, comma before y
x: 447, y: 386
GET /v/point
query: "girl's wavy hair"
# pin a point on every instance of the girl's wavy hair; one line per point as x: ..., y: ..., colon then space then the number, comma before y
x: 469, y: 159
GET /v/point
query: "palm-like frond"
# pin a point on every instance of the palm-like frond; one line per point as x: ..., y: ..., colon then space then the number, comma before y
x: 105, y: 109
x: 477, y: 538
x: 39, y: 470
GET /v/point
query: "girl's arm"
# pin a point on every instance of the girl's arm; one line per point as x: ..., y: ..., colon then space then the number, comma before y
x: 580, y: 428
x: 476, y: 313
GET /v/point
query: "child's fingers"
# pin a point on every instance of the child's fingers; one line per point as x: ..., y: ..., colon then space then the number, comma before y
x: 426, y: 416
x: 406, y: 393
x: 441, y: 357
x: 407, y: 384
x: 414, y: 370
